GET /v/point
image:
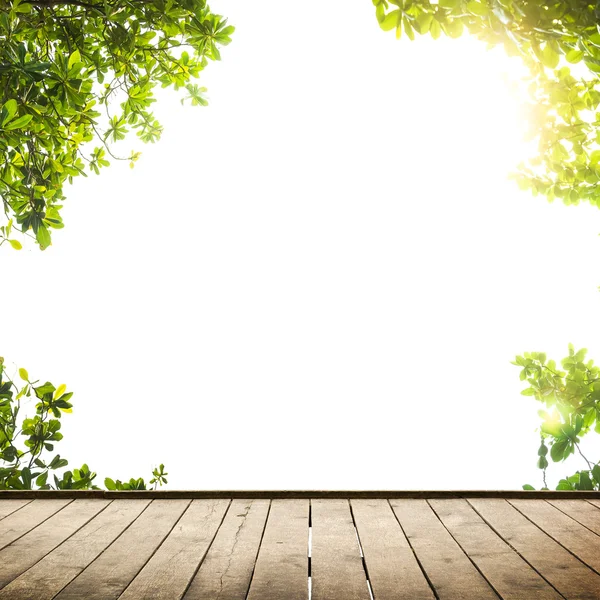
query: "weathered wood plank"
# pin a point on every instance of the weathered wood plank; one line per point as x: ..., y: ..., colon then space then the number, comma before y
x: 51, y: 574
x: 565, y: 530
x: 20, y: 522
x: 296, y: 494
x: 585, y: 513
x: 107, y: 576
x: 450, y: 571
x: 281, y: 570
x: 168, y: 573
x: 596, y: 503
x: 394, y: 572
x: 336, y: 564
x: 502, y: 567
x: 8, y: 507
x: 226, y: 571
x: 567, y: 574
x: 34, y: 545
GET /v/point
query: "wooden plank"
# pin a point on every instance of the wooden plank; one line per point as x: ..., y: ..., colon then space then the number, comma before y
x: 281, y: 570
x: 34, y: 545
x: 448, y: 568
x: 336, y: 565
x: 296, y: 494
x: 226, y: 571
x: 168, y: 573
x: 584, y: 512
x: 20, y: 522
x: 596, y: 503
x: 46, y: 578
x: 393, y: 570
x: 107, y: 576
x: 8, y: 507
x: 503, y: 568
x: 560, y: 568
x: 565, y: 530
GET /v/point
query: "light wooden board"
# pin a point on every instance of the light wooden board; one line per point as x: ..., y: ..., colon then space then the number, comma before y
x: 565, y: 530
x: 566, y: 573
x: 8, y: 507
x: 584, y: 512
x: 393, y: 570
x: 168, y: 573
x: 51, y: 574
x: 281, y: 570
x: 450, y: 571
x: 502, y: 567
x: 107, y: 576
x: 34, y: 545
x: 337, y: 567
x: 226, y: 571
x: 21, y: 521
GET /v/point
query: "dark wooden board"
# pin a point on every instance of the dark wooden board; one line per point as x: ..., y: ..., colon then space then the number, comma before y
x: 167, y: 575
x: 393, y: 570
x: 226, y: 571
x: 281, y: 571
x: 34, y: 545
x: 559, y: 567
x: 337, y: 567
x: 450, y: 571
x: 503, y: 568
x: 51, y: 574
x: 107, y: 576
x: 295, y: 494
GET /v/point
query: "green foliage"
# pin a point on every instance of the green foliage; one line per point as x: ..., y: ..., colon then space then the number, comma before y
x: 63, y: 65
x: 564, y: 114
x: 571, y: 397
x: 24, y: 460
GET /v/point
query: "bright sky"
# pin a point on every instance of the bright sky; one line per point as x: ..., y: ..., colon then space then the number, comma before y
x: 318, y: 281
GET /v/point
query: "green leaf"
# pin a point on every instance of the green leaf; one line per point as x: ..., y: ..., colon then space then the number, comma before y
x: 74, y: 58
x: 43, y: 237
x: 528, y: 487
x: 477, y: 9
x: 10, y: 109
x: 391, y: 20
x: 110, y: 484
x: 15, y: 244
x: 41, y: 480
x: 558, y: 449
x: 18, y: 123
x: 574, y: 56
x: 23, y: 374
x: 435, y: 29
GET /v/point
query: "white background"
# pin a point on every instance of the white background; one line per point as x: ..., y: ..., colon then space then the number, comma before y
x: 318, y: 281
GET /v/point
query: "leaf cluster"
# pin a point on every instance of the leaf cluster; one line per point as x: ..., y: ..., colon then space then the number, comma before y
x: 27, y: 442
x: 563, y: 114
x: 571, y: 397
x: 63, y: 65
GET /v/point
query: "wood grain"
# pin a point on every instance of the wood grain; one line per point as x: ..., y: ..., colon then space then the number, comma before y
x: 393, y: 570
x: 337, y: 567
x: 502, y: 567
x: 583, y: 512
x: 559, y: 567
x: 107, y: 576
x: 281, y: 570
x: 51, y: 574
x: 34, y: 545
x: 21, y: 521
x: 226, y: 571
x: 450, y: 571
x: 168, y: 573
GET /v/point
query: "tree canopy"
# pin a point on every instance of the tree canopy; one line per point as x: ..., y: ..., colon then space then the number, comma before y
x: 75, y: 77
x: 549, y: 37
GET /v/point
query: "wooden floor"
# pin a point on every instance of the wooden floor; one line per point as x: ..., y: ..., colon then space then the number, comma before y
x: 324, y: 548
